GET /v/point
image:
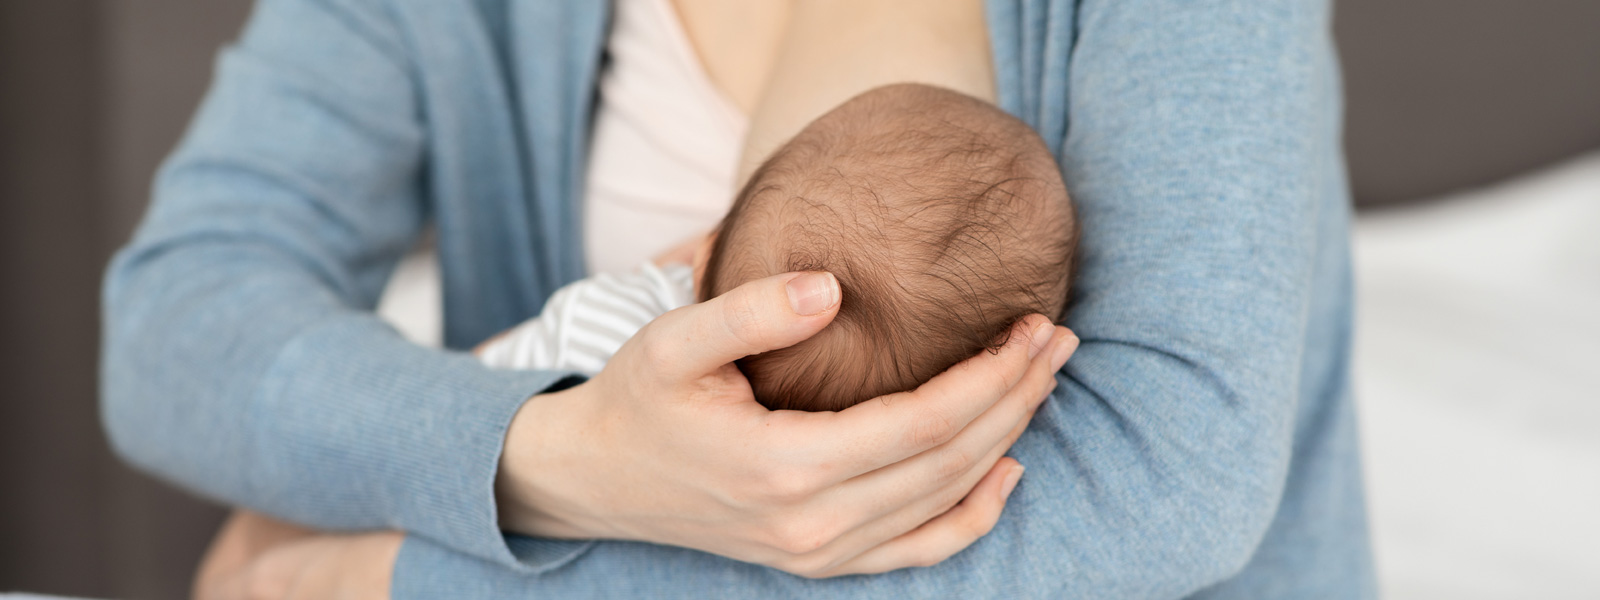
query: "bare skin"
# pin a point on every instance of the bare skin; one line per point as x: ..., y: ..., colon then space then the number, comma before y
x: 737, y: 42
x: 786, y: 63
x: 255, y: 557
x: 833, y: 50
x: 906, y: 480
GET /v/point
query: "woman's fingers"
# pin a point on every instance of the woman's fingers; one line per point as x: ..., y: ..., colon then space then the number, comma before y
x: 243, y: 539
x: 276, y: 574
x: 896, y: 520
x: 887, y: 430
x: 889, y: 502
x: 893, y: 486
x: 946, y: 534
x: 321, y: 567
x: 761, y: 315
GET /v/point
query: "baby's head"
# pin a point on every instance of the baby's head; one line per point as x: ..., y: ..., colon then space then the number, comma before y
x: 944, y: 219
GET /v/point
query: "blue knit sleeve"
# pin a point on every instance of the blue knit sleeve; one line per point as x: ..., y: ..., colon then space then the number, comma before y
x: 1200, y: 140
x: 242, y: 359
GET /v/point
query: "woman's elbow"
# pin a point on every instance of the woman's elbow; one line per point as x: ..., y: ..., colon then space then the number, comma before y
x: 129, y: 412
x: 1241, y: 510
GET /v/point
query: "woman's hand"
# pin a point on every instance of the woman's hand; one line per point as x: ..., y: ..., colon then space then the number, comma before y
x: 258, y: 558
x: 667, y: 445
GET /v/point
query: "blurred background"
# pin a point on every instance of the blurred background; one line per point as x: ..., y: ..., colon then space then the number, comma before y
x: 1474, y: 147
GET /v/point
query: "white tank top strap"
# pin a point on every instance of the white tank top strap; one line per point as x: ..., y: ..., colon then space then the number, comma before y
x: 666, y: 142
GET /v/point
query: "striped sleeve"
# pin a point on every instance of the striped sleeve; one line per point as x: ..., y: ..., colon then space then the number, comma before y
x: 584, y: 323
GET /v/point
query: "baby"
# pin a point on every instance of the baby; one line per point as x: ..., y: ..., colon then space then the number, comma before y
x: 944, y: 220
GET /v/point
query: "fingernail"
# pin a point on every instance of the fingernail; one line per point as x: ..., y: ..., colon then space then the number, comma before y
x: 1010, y: 484
x: 812, y: 293
x: 1064, y: 350
x: 1041, y: 338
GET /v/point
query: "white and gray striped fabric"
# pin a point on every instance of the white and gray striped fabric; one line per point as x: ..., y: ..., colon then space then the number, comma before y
x: 586, y: 322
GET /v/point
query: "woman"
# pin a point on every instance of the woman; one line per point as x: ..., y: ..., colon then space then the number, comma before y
x: 1201, y: 443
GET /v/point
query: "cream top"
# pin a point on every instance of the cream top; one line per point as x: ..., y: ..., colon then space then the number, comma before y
x: 666, y: 142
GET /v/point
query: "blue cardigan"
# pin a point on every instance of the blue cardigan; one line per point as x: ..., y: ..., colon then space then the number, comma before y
x: 1201, y: 444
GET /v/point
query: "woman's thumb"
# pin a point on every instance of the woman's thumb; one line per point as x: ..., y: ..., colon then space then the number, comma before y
x: 759, y: 316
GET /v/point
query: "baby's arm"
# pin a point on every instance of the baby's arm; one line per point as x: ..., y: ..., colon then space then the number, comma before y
x: 584, y: 323
x: 534, y: 343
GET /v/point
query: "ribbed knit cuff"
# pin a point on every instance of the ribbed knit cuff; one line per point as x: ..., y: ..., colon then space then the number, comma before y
x: 354, y: 431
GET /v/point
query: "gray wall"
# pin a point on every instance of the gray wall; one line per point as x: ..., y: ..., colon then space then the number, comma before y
x: 1443, y: 94
x: 1446, y: 94
x: 92, y: 94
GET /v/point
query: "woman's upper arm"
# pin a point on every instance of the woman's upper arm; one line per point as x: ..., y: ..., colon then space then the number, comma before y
x: 242, y: 359
x: 1203, y: 153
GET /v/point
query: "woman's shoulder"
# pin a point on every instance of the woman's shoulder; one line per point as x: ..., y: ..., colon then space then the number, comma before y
x: 470, y: 30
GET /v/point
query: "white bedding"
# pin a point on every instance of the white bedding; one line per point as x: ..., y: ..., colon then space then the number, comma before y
x: 1478, y: 381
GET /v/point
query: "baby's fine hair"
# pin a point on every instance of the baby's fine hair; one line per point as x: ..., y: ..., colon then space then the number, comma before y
x: 944, y: 219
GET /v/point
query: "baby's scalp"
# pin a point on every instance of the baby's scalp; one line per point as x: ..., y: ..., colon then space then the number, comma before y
x: 944, y: 219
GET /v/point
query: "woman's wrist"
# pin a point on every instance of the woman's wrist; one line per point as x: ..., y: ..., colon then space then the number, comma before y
x: 538, y: 450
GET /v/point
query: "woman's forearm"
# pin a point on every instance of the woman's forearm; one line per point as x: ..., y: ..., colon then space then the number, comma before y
x: 241, y: 357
